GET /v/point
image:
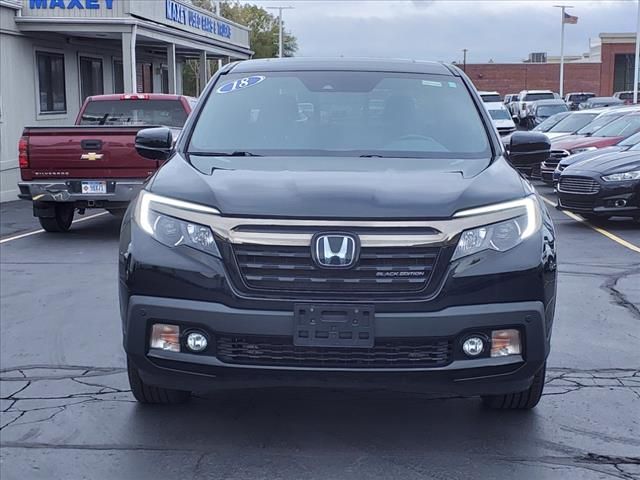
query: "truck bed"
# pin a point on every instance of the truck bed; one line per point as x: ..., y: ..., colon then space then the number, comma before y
x: 103, y: 152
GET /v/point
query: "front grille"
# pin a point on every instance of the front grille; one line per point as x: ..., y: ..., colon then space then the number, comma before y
x: 280, y: 351
x: 584, y: 185
x: 378, y: 270
x: 577, y: 204
x: 555, y: 157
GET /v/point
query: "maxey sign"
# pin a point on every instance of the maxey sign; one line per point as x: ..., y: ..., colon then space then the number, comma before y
x: 180, y: 13
x: 71, y: 4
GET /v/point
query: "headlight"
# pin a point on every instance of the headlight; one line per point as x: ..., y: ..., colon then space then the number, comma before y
x: 171, y: 230
x: 621, y: 177
x: 583, y: 149
x: 501, y: 236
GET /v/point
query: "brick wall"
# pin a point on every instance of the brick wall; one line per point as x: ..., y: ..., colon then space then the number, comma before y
x: 609, y: 51
x: 513, y: 77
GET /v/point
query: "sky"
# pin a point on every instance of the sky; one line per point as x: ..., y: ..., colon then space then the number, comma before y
x: 499, y: 30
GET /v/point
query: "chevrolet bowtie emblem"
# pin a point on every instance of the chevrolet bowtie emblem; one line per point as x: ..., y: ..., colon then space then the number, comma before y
x: 92, y: 156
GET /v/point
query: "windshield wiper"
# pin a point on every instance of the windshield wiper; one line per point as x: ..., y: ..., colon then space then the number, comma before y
x: 237, y: 153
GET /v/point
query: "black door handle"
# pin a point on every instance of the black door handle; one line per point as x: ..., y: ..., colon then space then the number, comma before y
x: 92, y: 145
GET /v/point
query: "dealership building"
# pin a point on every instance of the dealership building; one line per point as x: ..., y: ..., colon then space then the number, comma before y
x: 55, y: 53
x: 607, y: 67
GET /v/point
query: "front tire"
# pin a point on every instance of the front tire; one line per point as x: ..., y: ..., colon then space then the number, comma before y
x: 149, y: 394
x: 61, y: 220
x: 521, y: 400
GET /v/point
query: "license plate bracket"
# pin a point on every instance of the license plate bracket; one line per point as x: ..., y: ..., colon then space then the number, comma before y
x: 92, y: 187
x: 334, y: 325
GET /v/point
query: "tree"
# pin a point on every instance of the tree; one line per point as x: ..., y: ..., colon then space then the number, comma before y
x: 264, y: 27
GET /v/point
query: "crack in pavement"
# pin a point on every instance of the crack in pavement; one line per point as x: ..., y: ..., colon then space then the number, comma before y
x: 620, y: 298
x: 87, y: 372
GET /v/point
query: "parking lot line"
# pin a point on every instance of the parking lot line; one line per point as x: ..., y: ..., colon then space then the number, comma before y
x: 35, y: 232
x: 601, y: 231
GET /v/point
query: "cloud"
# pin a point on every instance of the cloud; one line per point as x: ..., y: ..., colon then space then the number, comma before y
x: 439, y: 30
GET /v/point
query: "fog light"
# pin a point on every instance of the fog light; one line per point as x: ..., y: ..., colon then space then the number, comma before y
x: 505, y: 342
x: 473, y: 346
x: 196, y: 342
x: 165, y: 337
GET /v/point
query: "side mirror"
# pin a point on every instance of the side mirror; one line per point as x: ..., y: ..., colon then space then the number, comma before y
x: 154, y: 143
x: 528, y: 149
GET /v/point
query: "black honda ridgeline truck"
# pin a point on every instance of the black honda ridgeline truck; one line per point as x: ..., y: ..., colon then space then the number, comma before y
x: 341, y: 222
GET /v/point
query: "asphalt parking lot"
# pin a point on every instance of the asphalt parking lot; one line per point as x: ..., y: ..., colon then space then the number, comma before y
x: 67, y: 411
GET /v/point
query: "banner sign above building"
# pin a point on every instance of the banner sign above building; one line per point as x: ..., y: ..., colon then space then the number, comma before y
x: 71, y: 4
x: 174, y: 14
x: 185, y: 15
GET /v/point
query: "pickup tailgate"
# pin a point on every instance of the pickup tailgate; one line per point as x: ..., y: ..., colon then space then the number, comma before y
x: 85, y: 151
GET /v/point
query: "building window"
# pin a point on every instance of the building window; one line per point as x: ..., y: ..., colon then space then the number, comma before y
x: 144, y: 75
x: 623, y: 70
x: 91, y: 80
x: 51, y: 82
x: 118, y: 77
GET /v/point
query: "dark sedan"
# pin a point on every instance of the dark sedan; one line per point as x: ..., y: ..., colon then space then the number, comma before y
x: 603, y: 187
x: 628, y: 144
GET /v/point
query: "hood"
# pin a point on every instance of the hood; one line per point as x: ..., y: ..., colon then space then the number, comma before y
x: 606, y: 164
x: 556, y: 135
x: 332, y: 187
x: 581, y: 157
x: 580, y: 141
x: 504, y: 123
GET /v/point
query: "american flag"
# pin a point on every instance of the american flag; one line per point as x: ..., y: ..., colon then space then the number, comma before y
x: 569, y: 19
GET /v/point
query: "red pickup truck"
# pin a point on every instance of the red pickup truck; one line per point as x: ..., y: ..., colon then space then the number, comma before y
x: 93, y: 164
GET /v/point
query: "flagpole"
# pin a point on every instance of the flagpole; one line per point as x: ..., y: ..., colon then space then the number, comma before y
x: 562, y: 11
x: 637, y: 58
x: 562, y: 54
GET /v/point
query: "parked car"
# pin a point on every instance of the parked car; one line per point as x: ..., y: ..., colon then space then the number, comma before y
x: 508, y: 98
x: 527, y: 96
x: 512, y: 105
x: 272, y: 249
x: 539, y: 111
x: 490, y: 97
x: 610, y: 134
x: 631, y: 143
x: 574, y: 99
x: 501, y: 118
x: 572, y: 123
x: 550, y: 122
x: 605, y: 186
x: 600, y: 102
x: 93, y: 164
x: 626, y: 97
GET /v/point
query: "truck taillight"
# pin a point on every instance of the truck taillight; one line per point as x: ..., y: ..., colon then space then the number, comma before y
x: 135, y: 96
x: 23, y: 152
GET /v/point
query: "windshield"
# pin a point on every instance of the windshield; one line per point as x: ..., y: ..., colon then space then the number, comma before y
x: 550, y: 122
x: 622, y: 127
x: 598, y: 123
x: 573, y: 122
x: 630, y: 141
x: 500, y: 114
x: 313, y: 113
x: 548, y: 110
x: 579, y: 98
x: 169, y: 113
x: 491, y: 97
x: 532, y: 97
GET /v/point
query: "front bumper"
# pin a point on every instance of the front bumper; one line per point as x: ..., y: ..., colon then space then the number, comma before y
x: 120, y: 191
x: 546, y: 174
x: 613, y: 199
x: 205, y: 371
